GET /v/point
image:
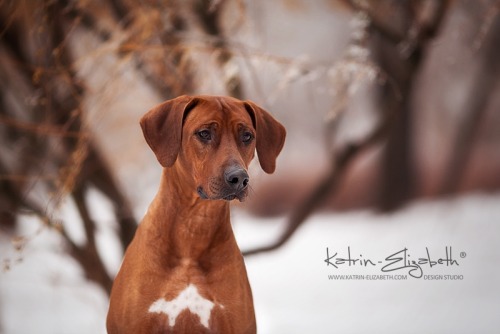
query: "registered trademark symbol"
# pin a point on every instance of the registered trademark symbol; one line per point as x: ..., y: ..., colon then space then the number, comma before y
x: 463, y: 254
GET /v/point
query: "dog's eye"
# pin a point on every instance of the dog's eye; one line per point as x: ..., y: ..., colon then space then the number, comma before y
x: 204, y: 135
x: 247, y: 137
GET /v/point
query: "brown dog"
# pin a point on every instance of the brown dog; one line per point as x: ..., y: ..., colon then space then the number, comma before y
x: 183, y: 271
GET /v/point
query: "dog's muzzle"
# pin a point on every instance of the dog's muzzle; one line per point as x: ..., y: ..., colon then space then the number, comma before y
x: 234, y: 186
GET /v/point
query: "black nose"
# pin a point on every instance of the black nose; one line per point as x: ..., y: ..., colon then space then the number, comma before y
x: 236, y: 178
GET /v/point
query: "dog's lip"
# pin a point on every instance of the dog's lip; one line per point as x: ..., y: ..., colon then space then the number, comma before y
x: 229, y: 197
x: 202, y: 193
x: 241, y: 195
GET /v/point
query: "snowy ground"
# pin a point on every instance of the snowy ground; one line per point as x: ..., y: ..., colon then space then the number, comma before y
x: 45, y: 293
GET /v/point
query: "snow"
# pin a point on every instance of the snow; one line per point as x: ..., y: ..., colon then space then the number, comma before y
x: 45, y: 291
x: 293, y: 293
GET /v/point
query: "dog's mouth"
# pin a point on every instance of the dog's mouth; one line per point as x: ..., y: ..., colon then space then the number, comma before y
x: 240, y: 195
x: 230, y: 197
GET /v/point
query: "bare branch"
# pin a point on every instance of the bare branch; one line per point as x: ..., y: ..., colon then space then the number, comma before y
x: 482, y: 89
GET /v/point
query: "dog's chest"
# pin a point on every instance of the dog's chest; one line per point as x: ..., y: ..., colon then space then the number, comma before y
x: 188, y: 300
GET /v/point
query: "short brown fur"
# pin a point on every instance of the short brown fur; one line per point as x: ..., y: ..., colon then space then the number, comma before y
x: 186, y: 236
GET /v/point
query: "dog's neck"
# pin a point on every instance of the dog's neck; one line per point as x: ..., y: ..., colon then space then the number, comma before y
x: 192, y: 231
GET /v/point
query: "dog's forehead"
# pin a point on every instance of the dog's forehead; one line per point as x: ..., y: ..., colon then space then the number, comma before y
x: 222, y: 110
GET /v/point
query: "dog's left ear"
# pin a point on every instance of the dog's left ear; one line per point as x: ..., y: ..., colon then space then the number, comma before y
x: 270, y: 136
x: 162, y: 128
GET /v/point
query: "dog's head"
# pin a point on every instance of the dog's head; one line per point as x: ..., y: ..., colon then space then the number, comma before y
x: 212, y: 141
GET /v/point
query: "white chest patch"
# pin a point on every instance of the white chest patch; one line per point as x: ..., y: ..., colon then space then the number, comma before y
x: 190, y: 299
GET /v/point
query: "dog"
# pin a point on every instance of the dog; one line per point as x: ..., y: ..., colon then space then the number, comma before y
x: 183, y: 272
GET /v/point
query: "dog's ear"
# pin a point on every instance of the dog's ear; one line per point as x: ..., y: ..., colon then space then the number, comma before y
x: 270, y: 136
x: 162, y: 128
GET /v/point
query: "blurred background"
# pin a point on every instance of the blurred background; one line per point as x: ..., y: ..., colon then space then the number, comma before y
x: 392, y: 110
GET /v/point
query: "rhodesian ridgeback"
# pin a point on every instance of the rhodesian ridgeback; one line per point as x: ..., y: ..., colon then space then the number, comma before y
x: 183, y: 272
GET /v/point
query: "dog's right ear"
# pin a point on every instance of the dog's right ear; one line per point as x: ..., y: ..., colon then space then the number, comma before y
x: 162, y: 128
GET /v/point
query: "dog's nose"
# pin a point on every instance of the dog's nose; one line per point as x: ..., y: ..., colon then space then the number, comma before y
x: 237, y: 178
